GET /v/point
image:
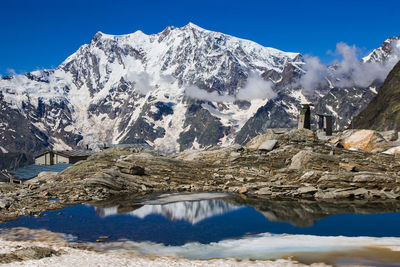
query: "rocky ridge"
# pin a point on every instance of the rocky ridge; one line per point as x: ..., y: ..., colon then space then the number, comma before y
x: 382, y: 113
x: 282, y: 166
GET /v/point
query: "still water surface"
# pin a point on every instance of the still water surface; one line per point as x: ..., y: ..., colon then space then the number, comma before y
x: 210, y: 220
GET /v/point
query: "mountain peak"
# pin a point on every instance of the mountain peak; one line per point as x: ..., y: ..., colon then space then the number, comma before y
x: 390, y: 47
x: 97, y: 36
x: 191, y: 25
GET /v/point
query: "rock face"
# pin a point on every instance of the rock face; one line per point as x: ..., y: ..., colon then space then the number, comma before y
x: 179, y: 89
x: 12, y: 161
x: 383, y: 113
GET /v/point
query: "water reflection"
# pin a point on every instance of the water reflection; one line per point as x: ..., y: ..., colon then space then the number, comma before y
x: 307, y: 213
x: 189, y: 211
x: 213, y: 220
x: 225, y: 226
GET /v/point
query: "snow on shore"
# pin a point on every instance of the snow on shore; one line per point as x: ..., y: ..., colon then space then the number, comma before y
x: 80, y: 257
x: 261, y: 249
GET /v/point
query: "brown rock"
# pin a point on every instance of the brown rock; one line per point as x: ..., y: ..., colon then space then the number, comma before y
x: 243, y: 190
x: 348, y: 167
x: 129, y: 168
x: 367, y: 140
x: 136, y: 170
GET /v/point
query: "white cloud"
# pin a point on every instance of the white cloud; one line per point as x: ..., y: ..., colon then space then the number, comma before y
x: 315, y: 73
x: 348, y: 70
x: 195, y: 92
x: 256, y: 88
x: 142, y: 81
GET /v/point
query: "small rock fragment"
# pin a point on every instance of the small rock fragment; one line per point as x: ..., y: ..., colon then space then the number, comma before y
x: 348, y: 167
x: 264, y: 191
x: 268, y: 145
x: 243, y: 190
x: 307, y: 189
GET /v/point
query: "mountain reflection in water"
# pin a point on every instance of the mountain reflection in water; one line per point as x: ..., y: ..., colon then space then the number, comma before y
x: 181, y: 219
x: 189, y: 211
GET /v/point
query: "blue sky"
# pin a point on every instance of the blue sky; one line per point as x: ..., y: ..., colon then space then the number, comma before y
x: 41, y: 34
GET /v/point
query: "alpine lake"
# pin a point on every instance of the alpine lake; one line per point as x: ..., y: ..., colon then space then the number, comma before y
x: 218, y: 225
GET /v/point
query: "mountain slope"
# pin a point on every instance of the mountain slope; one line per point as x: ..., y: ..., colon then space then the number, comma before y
x: 179, y: 89
x: 345, y: 102
x: 383, y: 112
x: 161, y: 88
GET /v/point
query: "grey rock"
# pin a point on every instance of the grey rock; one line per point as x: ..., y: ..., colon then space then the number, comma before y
x: 229, y: 176
x: 106, y: 180
x: 390, y: 195
x: 307, y: 189
x: 303, y: 158
x: 130, y: 168
x: 264, y: 191
x: 372, y: 178
x: 359, y: 193
x: 268, y: 145
x: 4, y: 204
x: 390, y: 135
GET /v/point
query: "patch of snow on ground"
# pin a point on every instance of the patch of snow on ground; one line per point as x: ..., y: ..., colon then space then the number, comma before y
x: 196, y: 144
x: 260, y: 248
x: 298, y: 95
x: 232, y: 115
x: 392, y: 151
x: 266, y: 246
x: 292, y: 109
x: 59, y: 144
x: 173, y: 126
x: 332, y: 111
x: 373, y: 90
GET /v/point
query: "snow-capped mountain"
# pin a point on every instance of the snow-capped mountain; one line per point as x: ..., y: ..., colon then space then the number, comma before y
x: 189, y: 211
x: 179, y: 89
x: 389, y: 49
x: 346, y: 100
x: 159, y: 87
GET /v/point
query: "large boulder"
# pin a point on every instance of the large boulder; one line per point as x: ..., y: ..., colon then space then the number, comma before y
x: 257, y: 141
x: 367, y: 140
x: 129, y: 167
x: 311, y: 160
x: 299, y: 135
x: 270, y: 139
